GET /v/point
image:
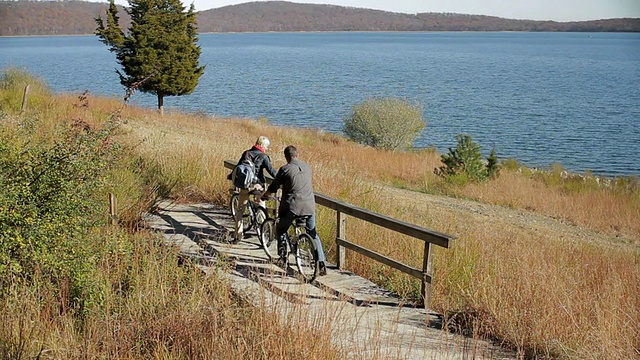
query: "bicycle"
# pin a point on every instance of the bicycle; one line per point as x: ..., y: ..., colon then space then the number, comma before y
x: 254, y: 214
x: 298, y: 242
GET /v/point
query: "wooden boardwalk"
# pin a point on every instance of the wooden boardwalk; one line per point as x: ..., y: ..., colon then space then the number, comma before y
x: 366, y: 321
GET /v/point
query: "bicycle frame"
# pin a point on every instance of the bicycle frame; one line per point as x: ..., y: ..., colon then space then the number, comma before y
x: 298, y: 243
x: 253, y: 214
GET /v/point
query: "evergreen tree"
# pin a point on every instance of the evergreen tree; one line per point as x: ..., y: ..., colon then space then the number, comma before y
x: 493, y: 168
x: 466, y: 159
x: 158, y: 54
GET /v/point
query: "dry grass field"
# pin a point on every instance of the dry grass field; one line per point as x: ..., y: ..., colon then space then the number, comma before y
x: 549, y: 266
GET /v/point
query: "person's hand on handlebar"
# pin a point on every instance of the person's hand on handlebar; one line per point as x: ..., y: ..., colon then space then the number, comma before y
x: 265, y: 196
x: 269, y: 196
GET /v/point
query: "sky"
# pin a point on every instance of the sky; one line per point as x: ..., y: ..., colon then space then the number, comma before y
x: 557, y: 10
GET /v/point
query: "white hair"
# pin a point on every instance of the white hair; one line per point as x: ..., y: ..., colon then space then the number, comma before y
x: 263, y: 142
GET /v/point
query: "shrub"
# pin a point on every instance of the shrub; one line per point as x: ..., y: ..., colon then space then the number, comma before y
x: 48, y: 201
x: 465, y: 163
x: 510, y: 164
x: 387, y: 123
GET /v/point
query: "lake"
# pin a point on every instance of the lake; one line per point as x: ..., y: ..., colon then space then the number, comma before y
x: 540, y: 98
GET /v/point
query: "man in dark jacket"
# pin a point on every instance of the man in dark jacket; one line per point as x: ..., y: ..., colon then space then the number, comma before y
x: 261, y: 162
x: 297, y: 200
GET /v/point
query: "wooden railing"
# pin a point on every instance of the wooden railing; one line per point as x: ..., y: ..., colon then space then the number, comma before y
x: 429, y: 237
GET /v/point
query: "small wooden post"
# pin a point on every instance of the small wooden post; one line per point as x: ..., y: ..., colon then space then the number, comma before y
x: 427, y: 267
x: 341, y: 230
x: 113, y: 209
x: 24, y: 99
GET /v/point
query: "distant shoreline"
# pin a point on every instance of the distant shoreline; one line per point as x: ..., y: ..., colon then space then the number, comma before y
x: 353, y: 32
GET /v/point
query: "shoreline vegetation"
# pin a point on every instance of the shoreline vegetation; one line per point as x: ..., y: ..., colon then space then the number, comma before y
x: 24, y: 17
x: 543, y: 263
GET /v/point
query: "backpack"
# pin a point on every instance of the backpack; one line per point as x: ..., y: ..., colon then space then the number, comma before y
x: 244, y: 175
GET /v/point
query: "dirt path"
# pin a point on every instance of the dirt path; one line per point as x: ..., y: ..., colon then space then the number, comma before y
x: 517, y: 220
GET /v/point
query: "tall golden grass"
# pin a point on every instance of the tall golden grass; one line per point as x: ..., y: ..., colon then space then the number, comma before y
x: 543, y: 295
x: 151, y: 307
x: 612, y: 211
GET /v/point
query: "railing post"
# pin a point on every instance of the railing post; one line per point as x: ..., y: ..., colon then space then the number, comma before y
x: 341, y: 230
x: 24, y: 99
x: 113, y: 209
x: 427, y: 266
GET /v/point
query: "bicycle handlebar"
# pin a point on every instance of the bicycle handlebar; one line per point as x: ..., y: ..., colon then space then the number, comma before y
x: 270, y: 197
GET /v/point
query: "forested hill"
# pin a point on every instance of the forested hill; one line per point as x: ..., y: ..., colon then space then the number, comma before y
x: 288, y: 16
x: 77, y: 17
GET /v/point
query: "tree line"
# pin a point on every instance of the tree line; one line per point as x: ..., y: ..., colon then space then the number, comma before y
x: 72, y: 17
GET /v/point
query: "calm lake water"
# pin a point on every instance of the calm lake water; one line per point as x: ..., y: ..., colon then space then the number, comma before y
x: 540, y: 98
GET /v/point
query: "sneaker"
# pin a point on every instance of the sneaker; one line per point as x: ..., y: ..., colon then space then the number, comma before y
x: 232, y: 239
x: 281, y: 262
x: 322, y: 269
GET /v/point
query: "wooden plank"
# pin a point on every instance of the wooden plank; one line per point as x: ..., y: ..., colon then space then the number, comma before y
x: 229, y: 164
x: 383, y: 259
x: 402, y: 227
x: 360, y: 291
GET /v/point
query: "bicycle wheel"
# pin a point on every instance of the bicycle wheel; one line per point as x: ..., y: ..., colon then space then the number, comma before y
x: 246, y: 216
x: 258, y: 218
x: 306, y: 258
x: 233, y: 203
x: 268, y: 238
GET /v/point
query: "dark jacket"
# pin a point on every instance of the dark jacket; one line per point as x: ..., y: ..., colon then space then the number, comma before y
x: 262, y: 162
x: 297, y: 191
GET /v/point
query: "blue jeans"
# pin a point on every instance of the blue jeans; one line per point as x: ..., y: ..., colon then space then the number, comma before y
x: 284, y: 222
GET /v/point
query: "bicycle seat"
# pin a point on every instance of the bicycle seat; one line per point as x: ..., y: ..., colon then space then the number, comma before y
x: 255, y: 192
